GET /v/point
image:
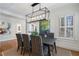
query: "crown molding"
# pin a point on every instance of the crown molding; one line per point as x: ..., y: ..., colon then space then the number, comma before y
x: 11, y: 14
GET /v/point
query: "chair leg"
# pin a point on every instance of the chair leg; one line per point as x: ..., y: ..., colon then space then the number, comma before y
x: 52, y: 50
x: 55, y: 47
x: 17, y: 48
x: 21, y: 50
x: 29, y: 52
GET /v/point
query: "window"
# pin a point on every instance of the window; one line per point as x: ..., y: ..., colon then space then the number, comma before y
x: 69, y: 32
x: 66, y: 27
x: 62, y: 21
x: 62, y: 32
x: 69, y: 20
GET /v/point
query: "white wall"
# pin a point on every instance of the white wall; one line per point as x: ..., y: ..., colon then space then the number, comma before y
x: 70, y: 9
x: 14, y: 21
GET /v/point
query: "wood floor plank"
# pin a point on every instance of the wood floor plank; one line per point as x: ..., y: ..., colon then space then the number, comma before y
x: 7, y: 45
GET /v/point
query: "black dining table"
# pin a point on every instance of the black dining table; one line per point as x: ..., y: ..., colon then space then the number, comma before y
x: 49, y: 42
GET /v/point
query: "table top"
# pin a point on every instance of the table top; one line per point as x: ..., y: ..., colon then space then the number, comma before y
x: 48, y: 41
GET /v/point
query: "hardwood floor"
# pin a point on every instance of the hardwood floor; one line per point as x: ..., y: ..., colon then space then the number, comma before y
x: 75, y: 53
x: 5, y: 45
x: 12, y: 44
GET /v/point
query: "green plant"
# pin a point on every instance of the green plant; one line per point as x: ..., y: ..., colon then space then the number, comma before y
x: 34, y: 33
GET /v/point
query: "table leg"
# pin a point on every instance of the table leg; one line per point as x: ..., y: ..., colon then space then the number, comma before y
x: 49, y: 51
x: 55, y: 47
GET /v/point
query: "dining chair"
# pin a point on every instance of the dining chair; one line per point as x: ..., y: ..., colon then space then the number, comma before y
x: 20, y: 43
x: 37, y: 46
x: 45, y: 46
x: 26, y: 43
x: 43, y: 34
x: 51, y: 36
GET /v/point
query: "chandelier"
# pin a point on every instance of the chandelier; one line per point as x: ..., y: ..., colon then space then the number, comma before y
x: 38, y: 13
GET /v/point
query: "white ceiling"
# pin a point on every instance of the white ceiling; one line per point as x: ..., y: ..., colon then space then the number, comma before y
x: 24, y: 8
